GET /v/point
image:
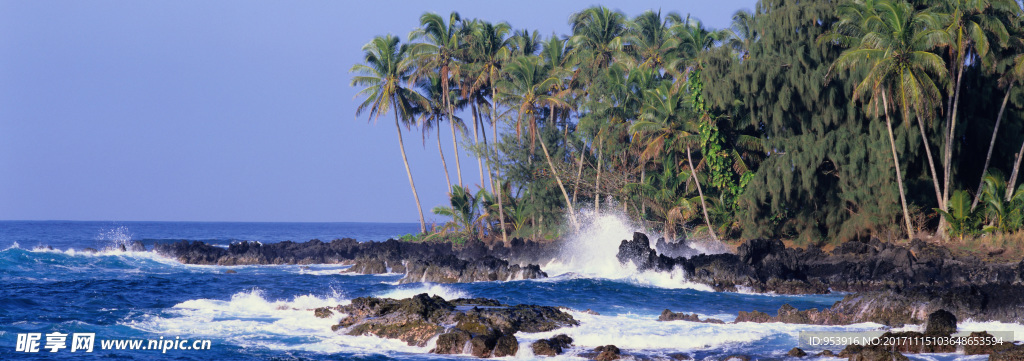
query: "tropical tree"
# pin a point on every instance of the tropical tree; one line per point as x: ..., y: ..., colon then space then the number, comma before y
x: 438, y: 55
x: 895, y: 50
x: 1008, y: 80
x: 742, y: 33
x: 969, y: 25
x: 433, y: 111
x: 382, y: 74
x: 464, y: 211
x: 663, y: 128
x: 490, y: 49
x: 525, y: 88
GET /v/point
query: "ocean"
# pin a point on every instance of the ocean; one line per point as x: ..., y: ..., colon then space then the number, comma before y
x: 263, y: 312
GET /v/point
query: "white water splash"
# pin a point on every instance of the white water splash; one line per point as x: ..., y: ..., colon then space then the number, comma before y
x: 591, y: 252
x: 116, y: 237
x: 446, y: 292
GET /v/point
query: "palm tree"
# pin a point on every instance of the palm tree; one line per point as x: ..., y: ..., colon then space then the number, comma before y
x: 384, y: 70
x: 663, y: 129
x: 438, y: 54
x: 743, y: 32
x: 433, y: 111
x: 1009, y: 79
x: 895, y: 50
x: 597, y: 36
x: 970, y: 23
x: 490, y: 49
x: 649, y: 41
x: 463, y: 210
x: 525, y: 88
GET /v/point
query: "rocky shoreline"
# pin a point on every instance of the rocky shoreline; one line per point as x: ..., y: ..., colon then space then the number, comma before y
x: 889, y: 284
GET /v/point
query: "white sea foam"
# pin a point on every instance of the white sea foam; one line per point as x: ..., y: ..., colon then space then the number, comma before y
x: 432, y: 289
x: 249, y: 319
x: 973, y: 326
x: 645, y: 333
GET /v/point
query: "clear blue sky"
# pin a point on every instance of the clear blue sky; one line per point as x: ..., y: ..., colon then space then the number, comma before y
x: 223, y: 110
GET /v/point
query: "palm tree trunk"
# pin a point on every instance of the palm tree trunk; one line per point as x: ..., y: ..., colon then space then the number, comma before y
x: 951, y: 129
x: 931, y: 161
x: 476, y: 143
x: 896, y: 162
x: 487, y: 152
x: 579, y: 174
x: 443, y: 163
x: 597, y: 183
x: 703, y: 206
x: 572, y: 211
x: 401, y: 146
x: 455, y: 144
x: 991, y: 145
x: 497, y: 171
x: 1013, y: 176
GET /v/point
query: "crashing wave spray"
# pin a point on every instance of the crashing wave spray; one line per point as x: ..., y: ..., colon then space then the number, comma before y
x: 117, y: 238
x: 593, y: 250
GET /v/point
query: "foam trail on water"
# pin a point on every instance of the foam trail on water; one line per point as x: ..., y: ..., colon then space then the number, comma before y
x: 432, y: 289
x: 249, y: 319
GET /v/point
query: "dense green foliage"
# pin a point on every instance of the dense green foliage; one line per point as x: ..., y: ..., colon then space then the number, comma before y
x: 812, y: 120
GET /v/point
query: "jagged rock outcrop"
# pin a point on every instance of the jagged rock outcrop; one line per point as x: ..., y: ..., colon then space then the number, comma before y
x: 420, y: 262
x: 668, y: 315
x: 768, y: 266
x: 552, y: 346
x: 483, y: 327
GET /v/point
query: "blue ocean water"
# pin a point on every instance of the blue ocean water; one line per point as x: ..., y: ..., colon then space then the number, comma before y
x: 263, y: 312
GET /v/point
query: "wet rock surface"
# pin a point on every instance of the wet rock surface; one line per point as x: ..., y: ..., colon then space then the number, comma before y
x: 668, y: 315
x: 480, y: 327
x: 552, y: 346
x: 889, y: 284
x: 421, y: 262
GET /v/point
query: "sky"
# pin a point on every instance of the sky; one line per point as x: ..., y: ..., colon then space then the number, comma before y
x: 225, y: 110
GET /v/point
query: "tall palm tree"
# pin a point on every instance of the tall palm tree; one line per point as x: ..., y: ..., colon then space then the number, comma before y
x: 895, y: 50
x: 490, y: 49
x: 650, y: 42
x: 969, y: 26
x: 525, y: 88
x: 438, y: 55
x: 382, y: 74
x: 597, y: 36
x: 433, y: 111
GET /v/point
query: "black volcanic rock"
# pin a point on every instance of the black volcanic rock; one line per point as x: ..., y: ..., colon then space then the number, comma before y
x: 486, y: 326
x: 940, y: 322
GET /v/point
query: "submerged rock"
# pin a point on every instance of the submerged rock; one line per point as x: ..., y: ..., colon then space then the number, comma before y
x: 480, y: 327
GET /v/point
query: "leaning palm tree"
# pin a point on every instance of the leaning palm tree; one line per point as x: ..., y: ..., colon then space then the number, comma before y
x: 433, y: 111
x: 525, y: 88
x: 969, y: 25
x: 490, y: 49
x: 382, y: 74
x: 895, y: 50
x: 438, y: 55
